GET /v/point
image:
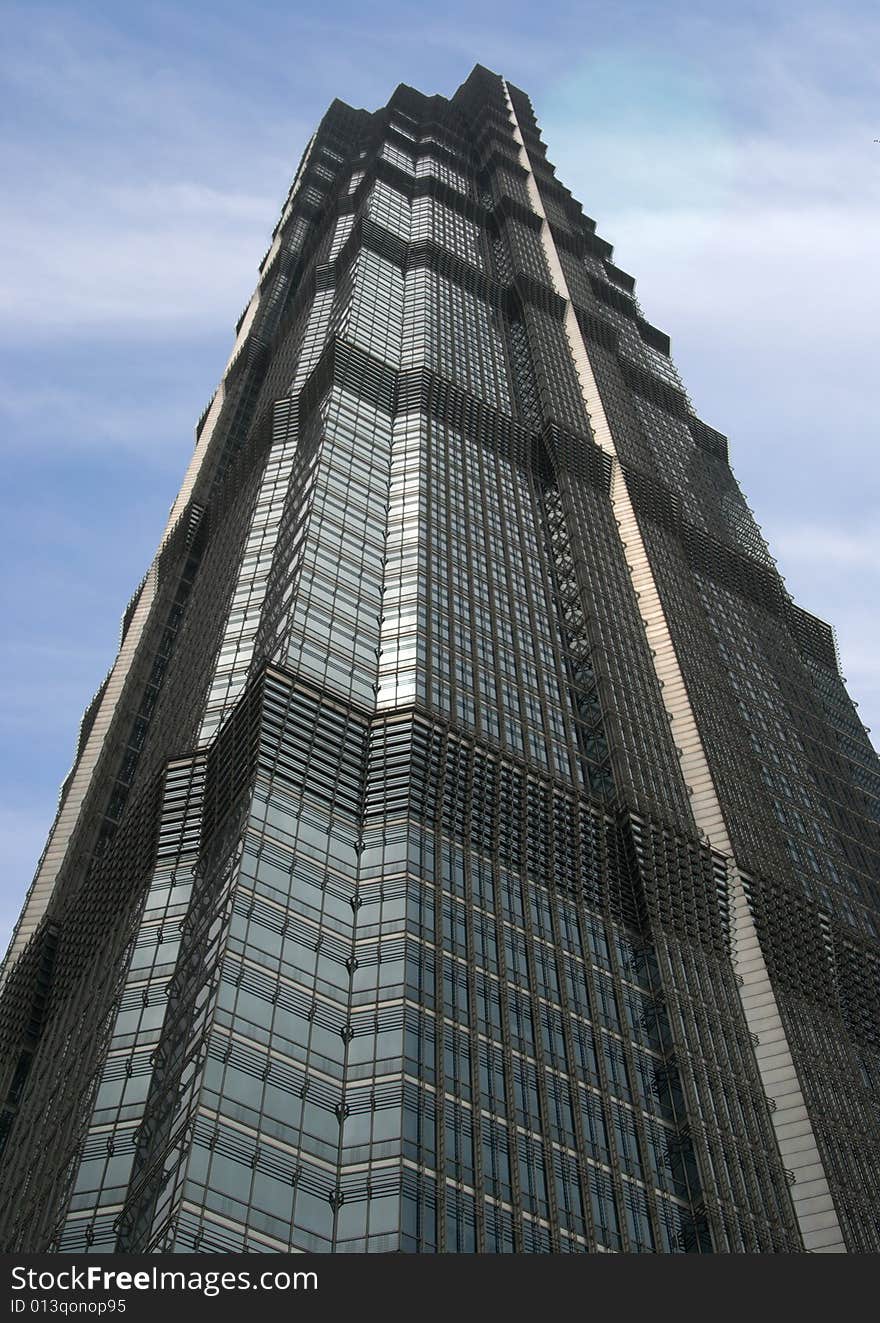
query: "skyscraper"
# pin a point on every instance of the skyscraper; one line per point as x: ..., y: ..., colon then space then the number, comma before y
x: 473, y: 847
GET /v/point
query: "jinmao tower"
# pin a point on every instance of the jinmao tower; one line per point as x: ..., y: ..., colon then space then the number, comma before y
x: 473, y: 847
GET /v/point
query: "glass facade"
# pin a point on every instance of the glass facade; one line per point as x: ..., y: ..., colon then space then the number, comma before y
x: 383, y: 911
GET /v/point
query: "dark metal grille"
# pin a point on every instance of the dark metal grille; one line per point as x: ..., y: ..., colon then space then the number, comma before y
x: 385, y: 923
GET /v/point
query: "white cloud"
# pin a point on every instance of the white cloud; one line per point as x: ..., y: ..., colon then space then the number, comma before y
x: 71, y: 420
x: 172, y: 258
x: 140, y: 184
x: 832, y: 548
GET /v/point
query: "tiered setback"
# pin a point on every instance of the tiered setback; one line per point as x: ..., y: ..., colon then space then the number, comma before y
x: 473, y: 847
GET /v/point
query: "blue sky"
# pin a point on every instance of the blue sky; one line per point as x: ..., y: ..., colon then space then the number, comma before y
x: 727, y: 151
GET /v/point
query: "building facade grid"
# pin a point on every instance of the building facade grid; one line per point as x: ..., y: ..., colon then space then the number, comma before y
x: 474, y: 848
